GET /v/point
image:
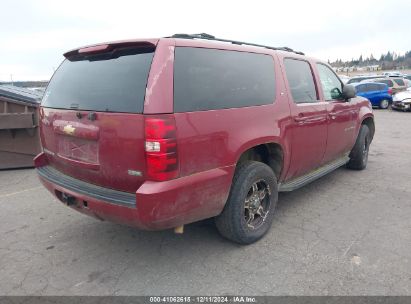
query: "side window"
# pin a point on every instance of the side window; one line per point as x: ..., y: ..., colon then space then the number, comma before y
x: 207, y: 79
x: 360, y: 88
x: 300, y: 80
x: 372, y: 87
x: 331, y: 84
x: 399, y: 82
x: 387, y: 82
x: 381, y: 87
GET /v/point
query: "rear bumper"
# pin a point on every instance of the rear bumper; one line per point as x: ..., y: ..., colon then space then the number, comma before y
x: 98, y: 193
x: 154, y: 206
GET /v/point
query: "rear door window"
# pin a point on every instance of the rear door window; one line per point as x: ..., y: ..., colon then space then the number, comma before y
x: 360, y: 88
x: 371, y: 87
x: 207, y: 79
x: 114, y: 82
x: 382, y: 87
x: 300, y: 80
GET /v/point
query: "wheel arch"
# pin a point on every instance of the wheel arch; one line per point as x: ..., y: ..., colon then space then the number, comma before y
x: 269, y: 153
x: 369, y: 122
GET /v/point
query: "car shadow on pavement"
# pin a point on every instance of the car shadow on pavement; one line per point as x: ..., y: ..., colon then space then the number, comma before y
x: 114, y: 236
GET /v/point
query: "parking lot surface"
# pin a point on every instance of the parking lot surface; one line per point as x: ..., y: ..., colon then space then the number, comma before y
x: 348, y: 233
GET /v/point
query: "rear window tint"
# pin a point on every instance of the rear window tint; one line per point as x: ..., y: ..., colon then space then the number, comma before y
x: 207, y: 79
x: 114, y: 82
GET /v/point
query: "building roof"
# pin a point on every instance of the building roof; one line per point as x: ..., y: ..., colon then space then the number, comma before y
x: 20, y: 94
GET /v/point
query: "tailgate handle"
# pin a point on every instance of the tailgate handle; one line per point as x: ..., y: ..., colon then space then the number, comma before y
x: 76, y: 129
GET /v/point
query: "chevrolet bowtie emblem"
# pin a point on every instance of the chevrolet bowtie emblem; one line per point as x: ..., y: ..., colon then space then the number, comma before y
x: 69, y: 129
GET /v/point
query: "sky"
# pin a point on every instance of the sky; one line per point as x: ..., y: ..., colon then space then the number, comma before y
x: 35, y: 33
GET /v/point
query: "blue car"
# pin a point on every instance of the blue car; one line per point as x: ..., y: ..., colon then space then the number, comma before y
x: 377, y: 93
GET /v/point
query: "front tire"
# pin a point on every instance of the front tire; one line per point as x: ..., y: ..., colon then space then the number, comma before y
x: 359, y: 154
x: 249, y: 211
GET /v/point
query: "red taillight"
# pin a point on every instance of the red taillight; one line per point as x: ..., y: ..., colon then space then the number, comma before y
x: 390, y: 91
x: 161, y: 147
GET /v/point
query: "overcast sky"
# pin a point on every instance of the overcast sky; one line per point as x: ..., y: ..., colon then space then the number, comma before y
x: 34, y: 34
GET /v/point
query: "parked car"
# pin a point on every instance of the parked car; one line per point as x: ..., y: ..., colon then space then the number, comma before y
x: 362, y: 78
x: 392, y: 74
x: 158, y: 133
x: 396, y: 84
x: 407, y: 77
x: 377, y: 93
x: 402, y: 101
x: 344, y: 78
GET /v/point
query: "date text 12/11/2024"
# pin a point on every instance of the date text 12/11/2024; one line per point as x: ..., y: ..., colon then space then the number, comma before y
x: 203, y: 299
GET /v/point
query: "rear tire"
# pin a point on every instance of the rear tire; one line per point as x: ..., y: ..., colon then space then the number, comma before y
x: 384, y: 104
x: 249, y: 211
x: 359, y: 154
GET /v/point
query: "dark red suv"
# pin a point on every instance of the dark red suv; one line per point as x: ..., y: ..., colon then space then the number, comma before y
x: 158, y: 133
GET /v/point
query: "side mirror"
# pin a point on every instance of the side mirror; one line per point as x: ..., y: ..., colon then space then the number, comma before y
x: 348, y: 91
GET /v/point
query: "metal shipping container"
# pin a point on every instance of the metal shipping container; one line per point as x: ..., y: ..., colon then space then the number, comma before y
x: 19, y: 134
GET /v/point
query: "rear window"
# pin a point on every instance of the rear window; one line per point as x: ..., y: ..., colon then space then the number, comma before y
x: 207, y: 79
x: 114, y: 82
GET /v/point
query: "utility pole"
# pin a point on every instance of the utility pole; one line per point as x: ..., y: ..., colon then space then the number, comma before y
x: 11, y: 77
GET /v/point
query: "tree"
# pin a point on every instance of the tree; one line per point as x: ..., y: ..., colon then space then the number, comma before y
x: 390, y: 60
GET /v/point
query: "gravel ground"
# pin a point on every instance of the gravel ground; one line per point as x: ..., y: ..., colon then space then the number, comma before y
x: 348, y: 233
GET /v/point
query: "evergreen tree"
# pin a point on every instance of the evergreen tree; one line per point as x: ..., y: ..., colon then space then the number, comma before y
x: 390, y: 60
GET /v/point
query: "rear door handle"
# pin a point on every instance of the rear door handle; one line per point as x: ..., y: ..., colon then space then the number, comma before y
x: 310, y: 119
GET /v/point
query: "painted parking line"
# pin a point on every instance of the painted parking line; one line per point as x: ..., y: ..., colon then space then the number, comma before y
x: 18, y: 192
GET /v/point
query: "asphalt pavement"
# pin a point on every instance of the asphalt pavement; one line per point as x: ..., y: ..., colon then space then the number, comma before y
x: 348, y: 233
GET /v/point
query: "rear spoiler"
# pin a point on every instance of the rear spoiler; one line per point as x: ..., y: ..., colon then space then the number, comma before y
x: 108, y: 47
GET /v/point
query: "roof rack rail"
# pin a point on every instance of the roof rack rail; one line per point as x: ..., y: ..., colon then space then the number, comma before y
x: 211, y: 37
